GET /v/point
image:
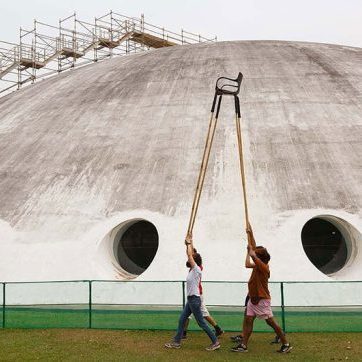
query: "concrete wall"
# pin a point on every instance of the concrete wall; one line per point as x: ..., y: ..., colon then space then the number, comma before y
x: 89, y: 149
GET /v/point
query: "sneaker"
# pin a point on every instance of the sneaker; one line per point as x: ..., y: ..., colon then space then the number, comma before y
x: 240, y: 348
x: 285, y: 348
x: 173, y: 344
x: 219, y: 332
x: 276, y: 340
x: 213, y: 347
x: 237, y: 339
x: 184, y: 336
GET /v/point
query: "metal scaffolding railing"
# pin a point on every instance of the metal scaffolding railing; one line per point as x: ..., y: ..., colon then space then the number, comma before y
x: 47, y: 49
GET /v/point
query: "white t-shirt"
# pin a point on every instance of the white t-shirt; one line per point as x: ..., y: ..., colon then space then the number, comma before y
x: 193, y: 280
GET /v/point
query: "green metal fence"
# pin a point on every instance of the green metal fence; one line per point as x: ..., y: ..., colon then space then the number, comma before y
x: 156, y: 305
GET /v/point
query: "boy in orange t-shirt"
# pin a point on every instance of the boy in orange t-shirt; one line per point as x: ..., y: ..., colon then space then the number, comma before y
x: 259, y: 304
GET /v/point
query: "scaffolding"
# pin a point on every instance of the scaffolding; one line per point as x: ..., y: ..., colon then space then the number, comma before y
x: 46, y: 49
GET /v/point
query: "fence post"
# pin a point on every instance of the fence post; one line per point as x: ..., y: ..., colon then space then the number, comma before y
x: 3, y: 321
x: 183, y: 295
x: 90, y: 304
x: 282, y: 302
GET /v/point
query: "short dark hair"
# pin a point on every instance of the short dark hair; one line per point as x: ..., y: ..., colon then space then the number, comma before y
x: 262, y: 254
x: 198, y: 259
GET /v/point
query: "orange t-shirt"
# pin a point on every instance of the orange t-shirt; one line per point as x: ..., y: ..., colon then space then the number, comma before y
x: 258, y: 282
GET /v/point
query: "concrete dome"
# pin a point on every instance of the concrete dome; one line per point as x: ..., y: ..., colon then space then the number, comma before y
x: 87, y: 154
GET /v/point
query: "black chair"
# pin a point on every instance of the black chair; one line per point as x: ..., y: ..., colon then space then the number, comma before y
x: 227, y: 87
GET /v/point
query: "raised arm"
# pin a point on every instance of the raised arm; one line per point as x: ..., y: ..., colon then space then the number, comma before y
x: 248, y: 262
x: 251, y: 240
x: 258, y: 263
x: 190, y: 250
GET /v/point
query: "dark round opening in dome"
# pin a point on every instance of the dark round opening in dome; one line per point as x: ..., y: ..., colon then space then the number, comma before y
x: 324, y: 245
x: 137, y: 246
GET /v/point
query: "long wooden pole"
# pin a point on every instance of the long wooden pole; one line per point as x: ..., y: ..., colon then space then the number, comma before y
x: 242, y: 170
x: 203, y: 168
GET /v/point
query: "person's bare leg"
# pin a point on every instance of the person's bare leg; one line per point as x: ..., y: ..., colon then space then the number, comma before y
x: 186, y: 325
x: 248, y: 329
x: 213, y: 323
x: 244, y: 324
x: 211, y: 320
x: 279, y: 332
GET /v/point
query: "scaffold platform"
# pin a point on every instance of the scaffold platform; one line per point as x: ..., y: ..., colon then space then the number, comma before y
x: 47, y: 49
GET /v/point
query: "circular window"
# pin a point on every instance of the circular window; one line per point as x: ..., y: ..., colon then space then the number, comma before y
x: 135, y: 246
x: 328, y: 243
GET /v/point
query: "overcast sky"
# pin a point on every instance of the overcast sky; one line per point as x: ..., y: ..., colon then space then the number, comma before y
x: 324, y: 21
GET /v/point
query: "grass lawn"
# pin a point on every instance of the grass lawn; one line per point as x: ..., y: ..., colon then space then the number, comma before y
x: 111, y: 345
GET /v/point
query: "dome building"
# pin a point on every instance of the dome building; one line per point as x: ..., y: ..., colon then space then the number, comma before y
x: 98, y: 165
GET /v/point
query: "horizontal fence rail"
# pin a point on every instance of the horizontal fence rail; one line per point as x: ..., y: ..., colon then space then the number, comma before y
x: 299, y: 306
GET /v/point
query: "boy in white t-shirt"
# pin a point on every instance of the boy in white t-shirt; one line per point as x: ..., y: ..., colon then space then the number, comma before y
x: 204, y: 310
x: 193, y: 304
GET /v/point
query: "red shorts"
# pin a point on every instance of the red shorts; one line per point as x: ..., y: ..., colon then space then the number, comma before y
x: 262, y: 310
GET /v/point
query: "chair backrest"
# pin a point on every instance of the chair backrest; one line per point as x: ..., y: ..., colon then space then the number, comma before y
x: 228, y: 86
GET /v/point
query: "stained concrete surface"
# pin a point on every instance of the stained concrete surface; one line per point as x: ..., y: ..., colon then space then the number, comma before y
x: 88, y: 149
